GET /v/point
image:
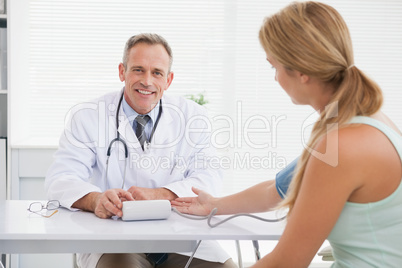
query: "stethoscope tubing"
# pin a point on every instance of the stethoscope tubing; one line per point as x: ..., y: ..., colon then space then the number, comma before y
x: 118, y: 139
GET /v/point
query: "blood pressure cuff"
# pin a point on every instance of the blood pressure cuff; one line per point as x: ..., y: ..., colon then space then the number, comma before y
x: 284, y: 177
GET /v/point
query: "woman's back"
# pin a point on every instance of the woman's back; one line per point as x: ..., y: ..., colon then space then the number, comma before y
x: 367, y: 234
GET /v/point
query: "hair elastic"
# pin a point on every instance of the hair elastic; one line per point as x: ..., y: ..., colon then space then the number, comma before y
x: 350, y: 66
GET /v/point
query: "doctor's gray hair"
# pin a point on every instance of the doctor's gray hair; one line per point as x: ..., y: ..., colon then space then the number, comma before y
x: 150, y: 39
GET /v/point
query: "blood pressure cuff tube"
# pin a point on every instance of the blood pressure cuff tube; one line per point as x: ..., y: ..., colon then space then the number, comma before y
x: 284, y: 177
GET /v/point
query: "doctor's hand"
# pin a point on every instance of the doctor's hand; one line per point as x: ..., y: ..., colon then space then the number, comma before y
x: 200, y: 205
x: 106, y: 204
x: 140, y: 193
x: 109, y: 203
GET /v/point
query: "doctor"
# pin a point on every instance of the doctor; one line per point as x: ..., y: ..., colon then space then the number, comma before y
x: 136, y: 144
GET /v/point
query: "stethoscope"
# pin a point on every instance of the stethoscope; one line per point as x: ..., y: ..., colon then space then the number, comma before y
x: 147, y: 144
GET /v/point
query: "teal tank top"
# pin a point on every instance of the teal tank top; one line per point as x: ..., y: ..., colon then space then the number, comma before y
x: 370, y: 234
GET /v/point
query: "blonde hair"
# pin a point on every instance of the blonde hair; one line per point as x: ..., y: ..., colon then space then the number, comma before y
x: 312, y: 38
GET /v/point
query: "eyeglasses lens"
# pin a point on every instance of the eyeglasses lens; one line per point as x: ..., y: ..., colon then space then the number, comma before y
x: 53, y: 204
x: 35, y: 207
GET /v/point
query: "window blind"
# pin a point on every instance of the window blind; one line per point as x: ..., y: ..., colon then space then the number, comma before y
x: 66, y: 52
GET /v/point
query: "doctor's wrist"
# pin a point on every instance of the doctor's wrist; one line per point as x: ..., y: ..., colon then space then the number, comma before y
x: 88, y: 202
x: 167, y: 194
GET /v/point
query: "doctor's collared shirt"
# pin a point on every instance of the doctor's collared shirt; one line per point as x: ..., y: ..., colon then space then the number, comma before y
x: 132, y: 114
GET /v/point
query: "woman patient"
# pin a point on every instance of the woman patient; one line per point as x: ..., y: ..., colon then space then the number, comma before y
x: 347, y: 183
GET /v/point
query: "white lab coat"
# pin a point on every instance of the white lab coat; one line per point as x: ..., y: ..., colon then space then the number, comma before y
x: 177, y: 159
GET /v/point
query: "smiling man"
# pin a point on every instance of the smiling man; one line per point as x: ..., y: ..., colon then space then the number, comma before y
x: 146, y: 73
x: 104, y: 153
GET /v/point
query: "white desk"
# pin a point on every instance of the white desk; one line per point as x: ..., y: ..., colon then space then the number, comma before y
x: 82, y: 232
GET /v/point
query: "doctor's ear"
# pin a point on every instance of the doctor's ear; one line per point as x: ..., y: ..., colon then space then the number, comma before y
x: 122, y: 72
x: 170, y: 77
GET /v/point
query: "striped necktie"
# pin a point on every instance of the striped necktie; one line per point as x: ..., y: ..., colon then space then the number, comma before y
x: 156, y: 258
x: 141, y: 120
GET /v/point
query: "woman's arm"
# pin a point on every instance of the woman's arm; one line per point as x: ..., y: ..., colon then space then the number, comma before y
x: 258, y: 198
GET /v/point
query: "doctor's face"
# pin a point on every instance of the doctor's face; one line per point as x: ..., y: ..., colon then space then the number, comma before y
x: 146, y: 76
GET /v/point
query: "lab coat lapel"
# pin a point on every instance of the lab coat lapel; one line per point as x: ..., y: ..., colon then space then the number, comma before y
x: 127, y: 133
x: 164, y: 129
